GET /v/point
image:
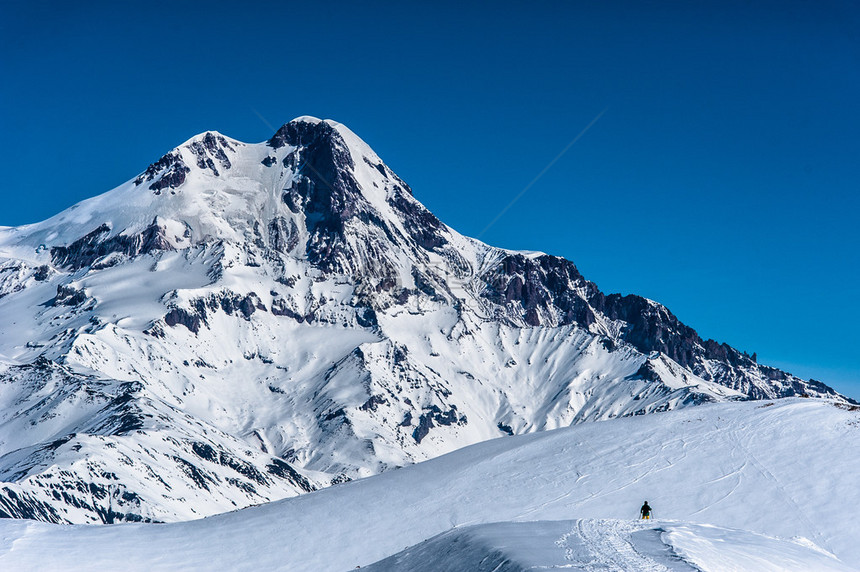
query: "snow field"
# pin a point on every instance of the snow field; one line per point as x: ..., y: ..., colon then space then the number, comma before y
x: 731, y: 466
x: 599, y: 545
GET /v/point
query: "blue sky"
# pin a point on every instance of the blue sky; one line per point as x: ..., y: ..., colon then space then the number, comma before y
x: 722, y: 179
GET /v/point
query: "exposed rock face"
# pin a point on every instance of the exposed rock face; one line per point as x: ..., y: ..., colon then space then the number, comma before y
x: 69, y: 296
x: 326, y: 192
x: 98, y: 243
x: 325, y: 189
x: 228, y: 302
x: 289, y: 316
x: 283, y: 235
x: 211, y: 146
x: 170, y: 170
x: 433, y: 417
x: 546, y: 290
x: 651, y: 327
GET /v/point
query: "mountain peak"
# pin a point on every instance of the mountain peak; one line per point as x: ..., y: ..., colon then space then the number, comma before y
x: 308, y: 119
x: 293, y: 299
x: 209, y: 151
x: 303, y: 131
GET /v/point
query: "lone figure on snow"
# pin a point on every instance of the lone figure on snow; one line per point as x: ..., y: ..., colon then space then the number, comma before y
x: 645, y: 511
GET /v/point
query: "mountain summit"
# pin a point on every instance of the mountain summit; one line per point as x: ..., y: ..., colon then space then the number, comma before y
x: 246, y: 322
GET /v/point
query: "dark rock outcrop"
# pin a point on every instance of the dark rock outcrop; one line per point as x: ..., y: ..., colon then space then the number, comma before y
x: 548, y: 290
x: 325, y: 190
x: 283, y: 234
x: 98, y: 243
x: 170, y: 170
x: 209, y: 147
x: 433, y: 416
x: 229, y: 302
x: 540, y: 286
x: 328, y: 195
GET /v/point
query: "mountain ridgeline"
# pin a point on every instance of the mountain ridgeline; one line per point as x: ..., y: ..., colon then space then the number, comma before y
x: 247, y: 322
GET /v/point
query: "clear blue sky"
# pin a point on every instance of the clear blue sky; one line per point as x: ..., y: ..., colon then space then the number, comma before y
x: 723, y: 179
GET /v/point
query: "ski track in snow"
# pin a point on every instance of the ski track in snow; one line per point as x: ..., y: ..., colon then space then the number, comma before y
x: 652, y: 461
x: 548, y: 503
x: 736, y: 473
x: 609, y: 547
x: 599, y: 545
x: 735, y: 435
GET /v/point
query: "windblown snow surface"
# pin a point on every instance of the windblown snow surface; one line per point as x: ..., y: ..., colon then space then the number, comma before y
x: 736, y: 486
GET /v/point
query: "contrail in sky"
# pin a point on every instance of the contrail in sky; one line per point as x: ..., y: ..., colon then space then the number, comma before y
x: 542, y: 173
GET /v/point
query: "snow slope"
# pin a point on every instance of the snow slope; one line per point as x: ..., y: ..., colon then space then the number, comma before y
x: 784, y: 469
x: 594, y: 545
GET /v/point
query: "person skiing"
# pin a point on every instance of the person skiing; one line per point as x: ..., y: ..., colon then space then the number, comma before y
x: 645, y: 511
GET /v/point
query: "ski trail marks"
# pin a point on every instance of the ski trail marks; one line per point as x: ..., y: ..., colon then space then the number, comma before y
x: 608, y: 545
x: 819, y: 538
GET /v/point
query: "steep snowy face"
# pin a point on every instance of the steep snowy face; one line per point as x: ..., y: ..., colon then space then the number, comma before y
x: 280, y: 316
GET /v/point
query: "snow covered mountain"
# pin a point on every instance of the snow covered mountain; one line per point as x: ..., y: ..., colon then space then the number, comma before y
x: 247, y: 322
x: 734, y: 486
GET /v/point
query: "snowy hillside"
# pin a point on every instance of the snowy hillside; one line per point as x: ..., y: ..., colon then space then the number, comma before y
x: 248, y: 322
x: 739, y: 486
x: 606, y: 545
